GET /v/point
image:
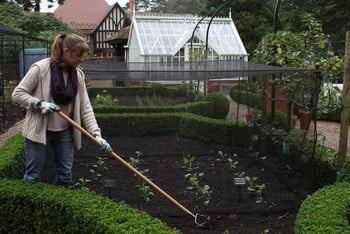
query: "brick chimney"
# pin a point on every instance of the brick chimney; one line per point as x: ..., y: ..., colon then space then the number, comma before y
x: 132, y: 6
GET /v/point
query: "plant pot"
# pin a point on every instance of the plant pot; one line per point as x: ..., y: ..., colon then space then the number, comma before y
x: 305, y: 119
x: 293, y: 120
x: 248, y: 117
x: 213, y: 88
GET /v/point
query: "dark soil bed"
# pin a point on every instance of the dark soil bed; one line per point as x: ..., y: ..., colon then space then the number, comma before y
x: 231, y: 208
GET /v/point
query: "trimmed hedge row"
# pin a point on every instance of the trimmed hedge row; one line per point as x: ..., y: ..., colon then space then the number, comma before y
x: 200, y: 108
x: 326, y: 211
x: 41, y: 208
x: 184, y: 124
x: 245, y: 97
x: 136, y: 91
x: 12, y: 158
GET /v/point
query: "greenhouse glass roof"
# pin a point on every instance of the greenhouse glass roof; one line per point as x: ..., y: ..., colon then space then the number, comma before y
x: 165, y: 35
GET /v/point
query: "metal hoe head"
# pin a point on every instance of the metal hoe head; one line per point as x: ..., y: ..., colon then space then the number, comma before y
x: 201, y: 220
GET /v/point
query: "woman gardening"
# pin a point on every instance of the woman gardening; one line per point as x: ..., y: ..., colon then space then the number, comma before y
x: 51, y: 85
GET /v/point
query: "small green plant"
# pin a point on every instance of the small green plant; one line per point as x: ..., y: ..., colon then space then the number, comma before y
x: 222, y: 156
x: 146, y: 191
x: 82, y: 184
x: 188, y: 162
x: 97, y: 168
x: 103, y: 100
x: 135, y: 161
x: 193, y: 179
x: 258, y: 189
x: 205, y: 194
x: 240, y: 174
x: 95, y: 171
x: 233, y: 163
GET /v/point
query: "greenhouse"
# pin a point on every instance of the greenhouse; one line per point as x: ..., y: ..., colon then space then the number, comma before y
x: 179, y: 38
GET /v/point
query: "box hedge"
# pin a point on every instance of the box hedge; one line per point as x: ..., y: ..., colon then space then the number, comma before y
x: 325, y: 211
x: 41, y: 208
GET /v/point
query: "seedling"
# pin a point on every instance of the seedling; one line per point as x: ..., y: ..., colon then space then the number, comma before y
x: 222, y: 156
x: 232, y: 163
x: 136, y: 161
x: 188, y: 162
x: 144, y: 188
x: 206, y: 193
x: 256, y: 188
x: 258, y: 192
x: 82, y: 184
x: 194, y: 180
x: 98, y: 168
x: 146, y: 191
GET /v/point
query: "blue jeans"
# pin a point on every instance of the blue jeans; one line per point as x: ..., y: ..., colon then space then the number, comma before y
x: 62, y: 145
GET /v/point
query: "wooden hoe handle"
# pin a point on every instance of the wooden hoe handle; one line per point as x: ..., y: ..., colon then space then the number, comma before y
x: 116, y: 156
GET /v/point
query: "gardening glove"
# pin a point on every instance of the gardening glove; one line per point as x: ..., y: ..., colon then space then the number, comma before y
x: 47, y: 107
x: 103, y: 144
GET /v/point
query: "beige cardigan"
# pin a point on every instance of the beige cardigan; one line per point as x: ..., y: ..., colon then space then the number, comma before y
x: 36, y: 86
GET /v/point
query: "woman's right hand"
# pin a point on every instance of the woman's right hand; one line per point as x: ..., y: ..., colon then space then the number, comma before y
x: 47, y: 107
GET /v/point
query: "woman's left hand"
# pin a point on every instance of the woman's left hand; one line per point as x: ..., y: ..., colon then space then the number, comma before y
x: 105, y: 146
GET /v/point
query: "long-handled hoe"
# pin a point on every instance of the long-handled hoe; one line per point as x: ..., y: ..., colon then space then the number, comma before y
x: 197, y: 216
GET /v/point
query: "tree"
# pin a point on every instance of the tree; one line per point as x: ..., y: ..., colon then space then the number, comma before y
x: 10, y: 13
x: 335, y: 19
x: 173, y: 7
x: 43, y: 26
x: 294, y: 49
x: 32, y: 5
x: 301, y: 49
x: 252, y: 18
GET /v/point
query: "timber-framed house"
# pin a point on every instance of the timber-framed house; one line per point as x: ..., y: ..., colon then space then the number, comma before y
x: 112, y: 23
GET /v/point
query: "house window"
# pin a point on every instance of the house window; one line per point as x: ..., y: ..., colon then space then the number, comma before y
x: 109, y: 34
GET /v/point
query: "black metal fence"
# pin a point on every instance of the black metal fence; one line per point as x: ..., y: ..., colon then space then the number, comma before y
x: 132, y: 72
x: 17, y: 52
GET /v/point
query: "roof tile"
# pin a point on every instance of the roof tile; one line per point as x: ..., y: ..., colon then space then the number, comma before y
x: 82, y: 14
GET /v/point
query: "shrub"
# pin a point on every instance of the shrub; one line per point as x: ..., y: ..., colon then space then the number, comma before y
x: 157, y: 88
x: 325, y: 211
x: 344, y: 173
x: 103, y: 100
x: 183, y: 89
x: 43, y: 208
x: 246, y: 97
x: 12, y: 158
x: 221, y: 104
x: 199, y: 108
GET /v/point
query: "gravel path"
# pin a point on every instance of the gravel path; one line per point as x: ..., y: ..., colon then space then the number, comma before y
x: 16, y: 128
